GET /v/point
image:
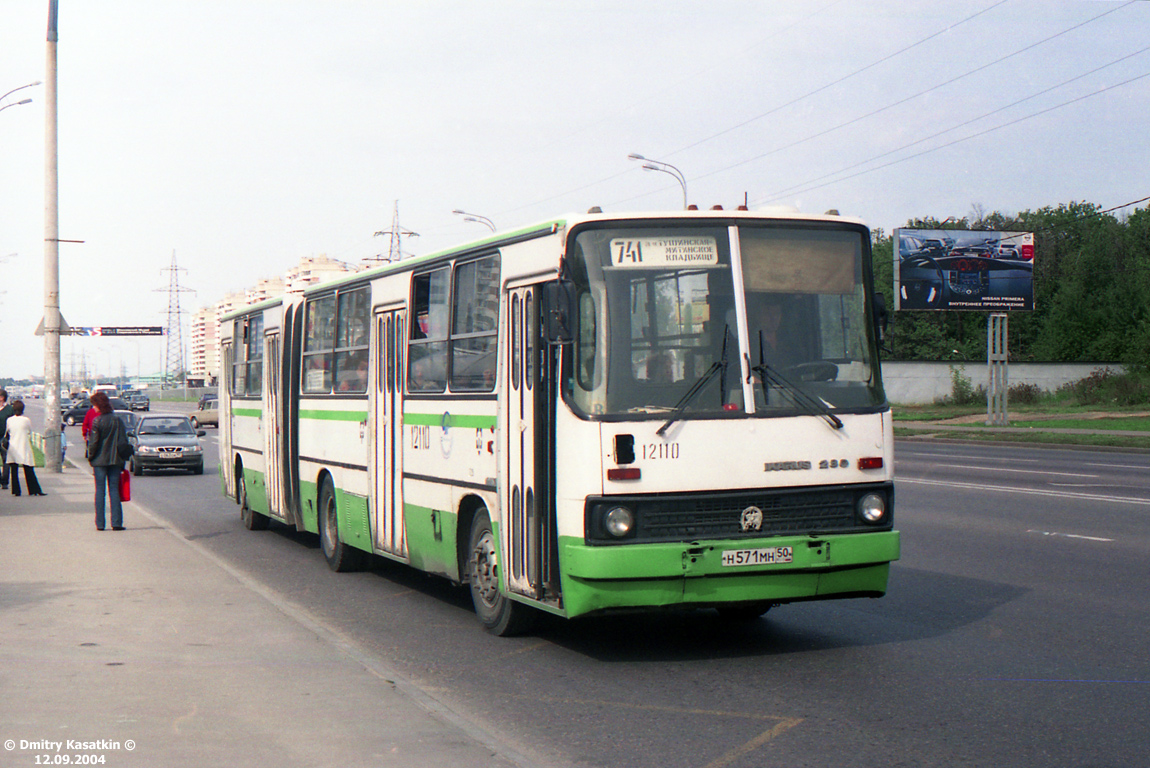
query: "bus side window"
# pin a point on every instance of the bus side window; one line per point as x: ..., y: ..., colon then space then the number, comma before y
x: 516, y: 343
x: 532, y: 327
x: 474, y: 325
x: 427, y: 350
x: 319, y: 339
x: 255, y: 355
x: 351, y: 340
x: 585, y: 348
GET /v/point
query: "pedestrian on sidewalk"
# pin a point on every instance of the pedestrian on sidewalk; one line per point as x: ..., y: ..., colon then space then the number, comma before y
x: 18, y: 434
x: 5, y: 412
x: 106, y: 439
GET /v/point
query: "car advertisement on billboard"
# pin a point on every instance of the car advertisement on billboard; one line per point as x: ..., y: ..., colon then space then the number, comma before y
x: 960, y: 269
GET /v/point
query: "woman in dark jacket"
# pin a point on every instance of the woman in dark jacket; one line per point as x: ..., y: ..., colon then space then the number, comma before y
x: 104, y: 440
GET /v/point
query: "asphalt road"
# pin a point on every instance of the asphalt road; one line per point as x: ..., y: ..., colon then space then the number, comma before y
x: 1014, y: 634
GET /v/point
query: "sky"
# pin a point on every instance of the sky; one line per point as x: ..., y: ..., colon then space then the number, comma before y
x: 239, y: 136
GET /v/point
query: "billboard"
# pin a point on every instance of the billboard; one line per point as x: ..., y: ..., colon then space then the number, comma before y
x: 962, y: 269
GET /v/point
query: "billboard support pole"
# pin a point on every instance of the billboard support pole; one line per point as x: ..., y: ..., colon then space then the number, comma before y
x: 997, y: 361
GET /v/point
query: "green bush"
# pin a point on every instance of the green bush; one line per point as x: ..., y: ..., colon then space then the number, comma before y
x: 1024, y: 394
x: 962, y: 391
x: 1105, y: 387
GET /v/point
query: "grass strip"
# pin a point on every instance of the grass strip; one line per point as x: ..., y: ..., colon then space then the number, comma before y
x: 1031, y: 437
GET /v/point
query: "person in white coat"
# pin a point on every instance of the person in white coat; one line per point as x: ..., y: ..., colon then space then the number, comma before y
x: 19, y: 435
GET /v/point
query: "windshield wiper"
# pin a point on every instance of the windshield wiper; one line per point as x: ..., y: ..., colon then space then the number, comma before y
x: 810, y: 404
x: 798, y: 396
x: 719, y: 366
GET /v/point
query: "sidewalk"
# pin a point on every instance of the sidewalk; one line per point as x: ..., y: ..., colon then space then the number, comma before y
x: 140, y: 637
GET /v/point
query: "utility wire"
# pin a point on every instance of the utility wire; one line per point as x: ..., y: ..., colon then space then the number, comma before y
x: 770, y: 198
x: 1093, y: 215
x: 841, y: 80
x: 788, y: 190
x: 765, y: 114
x: 924, y: 92
x: 676, y: 84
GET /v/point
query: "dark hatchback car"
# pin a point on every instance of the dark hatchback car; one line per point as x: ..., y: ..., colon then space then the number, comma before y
x: 75, y: 414
x: 166, y: 441
x: 138, y: 401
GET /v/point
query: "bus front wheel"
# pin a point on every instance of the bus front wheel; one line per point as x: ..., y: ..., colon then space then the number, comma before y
x: 340, y: 557
x: 498, y: 614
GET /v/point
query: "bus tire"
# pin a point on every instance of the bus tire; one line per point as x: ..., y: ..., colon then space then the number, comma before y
x: 340, y: 557
x: 252, y: 520
x: 498, y: 614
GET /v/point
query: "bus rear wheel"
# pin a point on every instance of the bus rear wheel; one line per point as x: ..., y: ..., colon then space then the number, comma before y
x: 340, y: 557
x: 497, y: 613
x: 252, y: 520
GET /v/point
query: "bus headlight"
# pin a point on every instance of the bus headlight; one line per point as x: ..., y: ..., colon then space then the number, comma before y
x: 872, y: 508
x: 619, y: 521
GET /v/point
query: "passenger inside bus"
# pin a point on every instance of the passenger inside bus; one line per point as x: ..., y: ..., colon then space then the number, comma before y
x: 428, y: 372
x: 353, y: 373
x: 769, y: 329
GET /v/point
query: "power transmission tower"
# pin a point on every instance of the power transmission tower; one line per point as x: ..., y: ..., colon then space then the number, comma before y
x: 174, y: 353
x: 394, y: 253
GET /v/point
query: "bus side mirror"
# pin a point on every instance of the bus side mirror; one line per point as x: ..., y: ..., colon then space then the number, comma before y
x: 881, y: 317
x: 558, y: 307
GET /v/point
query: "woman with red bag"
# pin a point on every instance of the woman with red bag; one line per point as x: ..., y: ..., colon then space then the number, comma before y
x: 106, y: 439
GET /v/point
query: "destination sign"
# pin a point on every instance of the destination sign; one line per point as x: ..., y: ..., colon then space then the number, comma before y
x: 664, y: 252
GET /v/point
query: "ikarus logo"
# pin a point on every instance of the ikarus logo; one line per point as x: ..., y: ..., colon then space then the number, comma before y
x: 445, y: 438
x: 783, y: 466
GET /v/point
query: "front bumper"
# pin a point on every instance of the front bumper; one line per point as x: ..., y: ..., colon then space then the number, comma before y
x: 160, y: 461
x: 600, y: 578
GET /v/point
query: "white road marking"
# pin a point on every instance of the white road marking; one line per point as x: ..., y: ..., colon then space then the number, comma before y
x: 1027, y: 491
x: 1069, y: 535
x: 1022, y: 471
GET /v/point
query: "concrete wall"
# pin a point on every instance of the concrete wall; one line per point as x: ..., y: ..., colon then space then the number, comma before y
x: 924, y: 383
x: 913, y: 383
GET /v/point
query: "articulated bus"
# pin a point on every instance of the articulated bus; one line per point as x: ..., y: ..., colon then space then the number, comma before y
x: 598, y: 413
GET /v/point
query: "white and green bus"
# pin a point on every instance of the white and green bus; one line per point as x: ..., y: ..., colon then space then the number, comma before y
x: 598, y: 413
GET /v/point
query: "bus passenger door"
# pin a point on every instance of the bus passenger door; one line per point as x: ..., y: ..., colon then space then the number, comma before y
x: 224, y: 425
x: 384, y: 453
x: 528, y: 514
x: 273, y: 427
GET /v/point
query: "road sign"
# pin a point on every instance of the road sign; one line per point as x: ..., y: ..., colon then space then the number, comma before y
x: 115, y: 330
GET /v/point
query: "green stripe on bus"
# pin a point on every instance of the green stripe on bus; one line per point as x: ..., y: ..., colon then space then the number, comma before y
x: 256, y: 412
x: 334, y: 415
x: 453, y: 420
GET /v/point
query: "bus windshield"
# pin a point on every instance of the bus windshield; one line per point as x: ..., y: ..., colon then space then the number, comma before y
x: 660, y: 329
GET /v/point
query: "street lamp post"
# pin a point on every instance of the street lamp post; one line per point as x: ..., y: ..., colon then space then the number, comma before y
x: 476, y: 218
x: 52, y: 458
x: 15, y: 103
x: 667, y: 168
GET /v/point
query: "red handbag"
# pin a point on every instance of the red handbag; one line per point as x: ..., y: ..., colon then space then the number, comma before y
x: 125, y: 485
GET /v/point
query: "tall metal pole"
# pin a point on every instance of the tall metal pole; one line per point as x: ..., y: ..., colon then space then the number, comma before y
x: 52, y: 459
x: 998, y: 372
